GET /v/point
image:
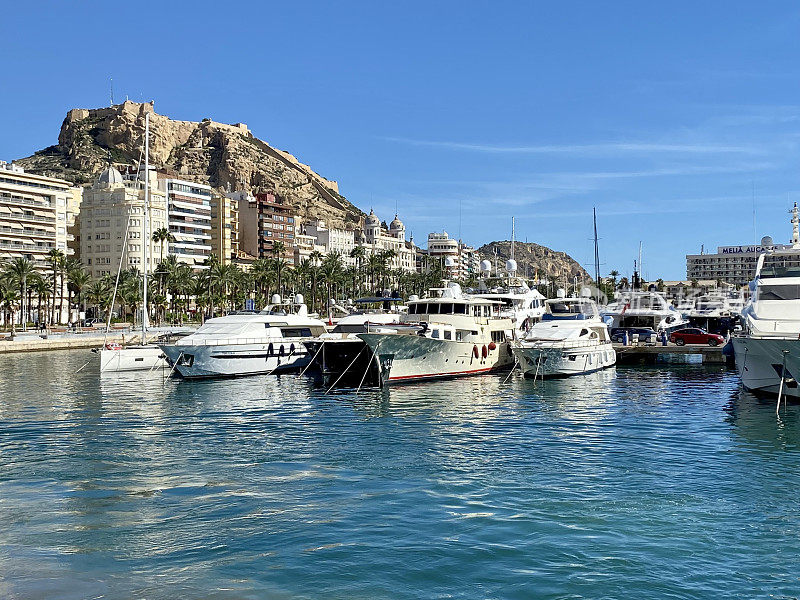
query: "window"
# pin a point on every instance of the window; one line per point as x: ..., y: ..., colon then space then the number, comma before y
x: 448, y: 335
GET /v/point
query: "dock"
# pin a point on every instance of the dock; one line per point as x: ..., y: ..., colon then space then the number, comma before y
x: 651, y: 353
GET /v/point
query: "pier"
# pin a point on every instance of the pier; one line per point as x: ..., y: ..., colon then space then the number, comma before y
x: 651, y: 353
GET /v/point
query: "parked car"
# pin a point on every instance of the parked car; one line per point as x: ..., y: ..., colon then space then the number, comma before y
x: 693, y: 335
x: 617, y: 333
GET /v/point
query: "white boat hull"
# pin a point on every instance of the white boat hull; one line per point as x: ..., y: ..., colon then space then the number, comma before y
x: 404, y: 358
x: 236, y: 360
x: 760, y: 362
x: 547, y: 361
x: 132, y: 358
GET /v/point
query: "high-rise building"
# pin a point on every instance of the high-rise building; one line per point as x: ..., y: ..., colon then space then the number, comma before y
x: 265, y: 220
x: 189, y: 219
x: 36, y: 213
x: 110, y: 208
x: 331, y: 239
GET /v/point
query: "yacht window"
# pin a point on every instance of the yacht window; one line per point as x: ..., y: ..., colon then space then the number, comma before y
x: 778, y: 292
x: 460, y: 309
x: 584, y: 332
x: 351, y: 328
x: 296, y: 332
x: 459, y: 335
x: 433, y: 308
x: 412, y: 309
x: 435, y: 334
x: 446, y: 309
x: 448, y: 335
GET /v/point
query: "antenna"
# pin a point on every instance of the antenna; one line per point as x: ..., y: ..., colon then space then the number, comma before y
x: 111, y: 90
x: 640, y: 258
x: 512, y: 237
x: 753, y: 184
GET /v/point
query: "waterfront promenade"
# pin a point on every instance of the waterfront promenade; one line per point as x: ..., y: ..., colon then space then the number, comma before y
x: 33, y: 341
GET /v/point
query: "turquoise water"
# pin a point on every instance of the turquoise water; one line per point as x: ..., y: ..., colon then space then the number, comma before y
x: 636, y: 483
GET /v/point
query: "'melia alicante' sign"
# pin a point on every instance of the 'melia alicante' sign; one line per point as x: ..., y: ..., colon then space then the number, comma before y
x: 750, y: 249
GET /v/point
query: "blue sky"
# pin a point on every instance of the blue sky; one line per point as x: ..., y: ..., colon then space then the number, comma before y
x: 665, y: 116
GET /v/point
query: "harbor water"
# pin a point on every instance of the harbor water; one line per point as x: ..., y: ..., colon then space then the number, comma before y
x: 636, y: 482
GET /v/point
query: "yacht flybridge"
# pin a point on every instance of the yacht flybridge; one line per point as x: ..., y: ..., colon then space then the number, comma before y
x: 519, y: 302
x: 571, y: 339
x: 444, y: 335
x: 638, y: 308
x: 247, y: 343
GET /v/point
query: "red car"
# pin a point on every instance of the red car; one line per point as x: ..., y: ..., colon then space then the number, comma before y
x: 695, y: 336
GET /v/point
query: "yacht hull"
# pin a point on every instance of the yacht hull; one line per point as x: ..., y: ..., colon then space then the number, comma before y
x: 344, y: 363
x: 235, y: 360
x: 132, y: 358
x: 760, y: 362
x: 543, y: 361
x: 405, y: 358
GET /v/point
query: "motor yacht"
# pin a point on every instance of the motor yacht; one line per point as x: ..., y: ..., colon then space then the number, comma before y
x: 519, y: 302
x: 247, y: 343
x: 339, y: 357
x: 444, y: 335
x: 767, y: 351
x: 571, y: 339
x: 639, y: 308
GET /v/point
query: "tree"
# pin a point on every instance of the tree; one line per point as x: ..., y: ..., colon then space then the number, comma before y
x: 359, y: 253
x: 56, y: 258
x: 162, y: 235
x: 77, y: 280
x: 9, y: 299
x: 19, y: 270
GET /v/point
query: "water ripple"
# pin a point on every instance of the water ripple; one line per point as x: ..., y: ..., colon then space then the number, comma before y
x: 639, y: 482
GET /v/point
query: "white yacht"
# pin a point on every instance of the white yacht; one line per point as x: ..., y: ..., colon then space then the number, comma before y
x: 444, y: 335
x: 340, y: 357
x: 571, y: 339
x: 639, y: 308
x: 519, y: 302
x: 768, y: 349
x: 270, y: 341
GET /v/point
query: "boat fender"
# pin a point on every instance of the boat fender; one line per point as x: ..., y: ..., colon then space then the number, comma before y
x: 113, y: 346
x: 484, y: 352
x: 270, y: 350
x: 492, y: 345
x: 291, y: 349
x: 475, y: 351
x: 281, y: 351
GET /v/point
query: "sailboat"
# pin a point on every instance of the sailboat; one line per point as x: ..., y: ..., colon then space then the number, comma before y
x: 142, y: 356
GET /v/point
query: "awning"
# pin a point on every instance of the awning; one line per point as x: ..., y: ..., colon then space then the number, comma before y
x: 15, y: 225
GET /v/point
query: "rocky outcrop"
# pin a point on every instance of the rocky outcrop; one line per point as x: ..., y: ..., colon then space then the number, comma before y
x: 221, y: 155
x: 535, y: 260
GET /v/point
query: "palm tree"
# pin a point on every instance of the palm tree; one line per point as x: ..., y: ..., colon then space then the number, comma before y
x: 77, y: 280
x: 280, y: 267
x: 42, y: 289
x: 9, y: 297
x: 358, y: 253
x: 162, y: 235
x: 332, y: 269
x: 19, y: 271
x: 614, y: 274
x: 55, y: 257
x: 374, y: 265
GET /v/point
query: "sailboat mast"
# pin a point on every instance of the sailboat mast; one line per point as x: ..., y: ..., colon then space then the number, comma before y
x: 145, y: 223
x: 596, y: 252
x: 512, y: 238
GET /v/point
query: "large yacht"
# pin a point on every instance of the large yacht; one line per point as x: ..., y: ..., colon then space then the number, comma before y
x: 444, y: 335
x: 639, y: 308
x: 247, y: 343
x: 571, y: 339
x: 340, y: 357
x: 519, y: 302
x: 768, y: 349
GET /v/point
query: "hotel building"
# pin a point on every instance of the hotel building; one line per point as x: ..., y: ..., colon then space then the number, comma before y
x: 264, y: 220
x: 36, y: 215
x: 465, y: 260
x: 737, y: 264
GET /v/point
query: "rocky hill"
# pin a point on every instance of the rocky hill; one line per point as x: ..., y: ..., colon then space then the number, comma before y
x: 223, y: 156
x: 537, y: 259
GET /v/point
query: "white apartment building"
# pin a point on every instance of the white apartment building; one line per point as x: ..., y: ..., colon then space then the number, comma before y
x: 189, y: 219
x: 35, y: 214
x: 327, y: 240
x: 112, y: 206
x: 464, y: 259
x: 377, y: 239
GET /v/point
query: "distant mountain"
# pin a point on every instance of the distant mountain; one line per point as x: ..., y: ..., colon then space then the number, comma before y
x: 223, y: 156
x: 535, y: 259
